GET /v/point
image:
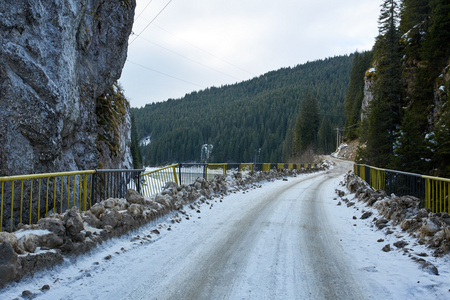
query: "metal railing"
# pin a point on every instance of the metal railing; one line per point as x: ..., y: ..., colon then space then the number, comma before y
x: 27, y: 198
x: 153, y: 182
x: 434, y: 192
x: 114, y: 183
x: 437, y: 193
x: 189, y: 172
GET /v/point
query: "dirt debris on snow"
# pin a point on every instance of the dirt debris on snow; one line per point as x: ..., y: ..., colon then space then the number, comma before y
x: 427, y: 228
x: 347, y: 151
x: 60, y: 236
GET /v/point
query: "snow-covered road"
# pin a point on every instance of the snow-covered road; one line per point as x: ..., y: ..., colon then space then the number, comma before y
x: 286, y: 240
x: 274, y: 243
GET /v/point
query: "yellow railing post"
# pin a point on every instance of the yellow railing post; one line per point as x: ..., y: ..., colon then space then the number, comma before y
x: 85, y: 192
x: 21, y: 201
x: 54, y: 195
x: 1, y: 214
x: 74, y: 189
x: 46, y: 199
x: 12, y: 205
x: 31, y: 201
x: 175, y: 174
x: 39, y: 199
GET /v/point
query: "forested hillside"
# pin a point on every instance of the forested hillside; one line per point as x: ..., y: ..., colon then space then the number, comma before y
x: 248, y: 121
x: 408, y: 120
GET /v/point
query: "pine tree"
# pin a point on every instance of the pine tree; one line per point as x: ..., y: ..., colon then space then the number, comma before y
x: 326, y: 139
x: 306, y: 126
x: 385, y: 109
x: 427, y: 50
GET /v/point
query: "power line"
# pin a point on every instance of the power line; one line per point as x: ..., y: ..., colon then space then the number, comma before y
x: 162, y: 73
x: 150, y: 22
x: 190, y: 59
x: 209, y: 53
x: 144, y: 9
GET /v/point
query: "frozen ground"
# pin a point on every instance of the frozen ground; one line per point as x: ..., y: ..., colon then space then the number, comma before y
x: 286, y: 240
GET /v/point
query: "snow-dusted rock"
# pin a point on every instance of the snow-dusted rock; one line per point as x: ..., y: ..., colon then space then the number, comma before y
x: 10, y: 238
x: 50, y: 241
x: 73, y: 222
x: 8, y: 263
x: 135, y: 209
x: 109, y: 203
x: 97, y: 209
x: 428, y: 229
x: 133, y: 196
x: 27, y: 243
x: 110, y: 217
x: 91, y: 219
x: 54, y: 225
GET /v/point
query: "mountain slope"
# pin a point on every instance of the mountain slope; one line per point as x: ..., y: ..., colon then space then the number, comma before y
x: 242, y: 118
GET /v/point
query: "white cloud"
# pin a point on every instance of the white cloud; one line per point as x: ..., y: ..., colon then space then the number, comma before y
x: 220, y: 42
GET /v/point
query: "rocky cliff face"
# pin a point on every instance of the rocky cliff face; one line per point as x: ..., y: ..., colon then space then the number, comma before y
x: 368, y: 93
x: 57, y: 59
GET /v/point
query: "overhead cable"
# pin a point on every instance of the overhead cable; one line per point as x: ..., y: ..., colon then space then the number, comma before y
x: 137, y: 35
x: 162, y: 73
x: 190, y: 59
x: 209, y: 53
x: 143, y: 10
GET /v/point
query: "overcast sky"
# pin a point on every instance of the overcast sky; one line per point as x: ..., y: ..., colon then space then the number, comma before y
x: 180, y: 46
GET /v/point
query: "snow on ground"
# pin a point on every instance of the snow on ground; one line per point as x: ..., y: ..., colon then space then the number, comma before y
x: 119, y: 267
x: 392, y: 273
x: 21, y: 233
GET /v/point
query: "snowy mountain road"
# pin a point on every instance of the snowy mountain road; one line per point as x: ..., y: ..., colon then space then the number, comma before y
x: 285, y: 240
x: 278, y: 245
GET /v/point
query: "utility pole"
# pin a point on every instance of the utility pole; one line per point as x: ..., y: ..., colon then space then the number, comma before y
x: 338, y: 137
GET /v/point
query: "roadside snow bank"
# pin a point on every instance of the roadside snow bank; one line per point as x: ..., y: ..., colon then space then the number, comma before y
x: 424, y: 227
x: 61, y: 236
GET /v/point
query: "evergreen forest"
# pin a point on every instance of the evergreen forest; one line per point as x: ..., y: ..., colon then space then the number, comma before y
x: 406, y: 122
x: 277, y: 117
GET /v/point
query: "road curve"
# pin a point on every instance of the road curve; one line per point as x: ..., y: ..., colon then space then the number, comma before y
x: 276, y: 242
x: 280, y: 246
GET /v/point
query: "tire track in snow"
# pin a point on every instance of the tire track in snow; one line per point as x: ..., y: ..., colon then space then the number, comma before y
x: 278, y: 248
x: 271, y: 243
x: 326, y: 261
x: 225, y: 255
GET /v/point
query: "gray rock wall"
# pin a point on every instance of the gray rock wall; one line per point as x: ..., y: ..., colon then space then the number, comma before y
x: 56, y: 58
x: 368, y: 96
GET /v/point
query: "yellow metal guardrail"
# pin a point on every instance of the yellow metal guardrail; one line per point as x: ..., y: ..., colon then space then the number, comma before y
x: 24, y: 198
x: 433, y: 191
x: 265, y: 167
x: 153, y: 182
x: 56, y: 190
x: 212, y: 170
x: 437, y: 193
x: 245, y: 167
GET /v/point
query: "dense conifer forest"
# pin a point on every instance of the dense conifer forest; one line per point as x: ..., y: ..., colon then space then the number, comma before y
x: 252, y: 120
x: 393, y: 99
x: 408, y: 121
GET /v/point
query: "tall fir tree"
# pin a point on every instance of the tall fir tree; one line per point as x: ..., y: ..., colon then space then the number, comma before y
x: 425, y: 26
x: 306, y: 126
x: 326, y: 138
x: 384, y: 113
